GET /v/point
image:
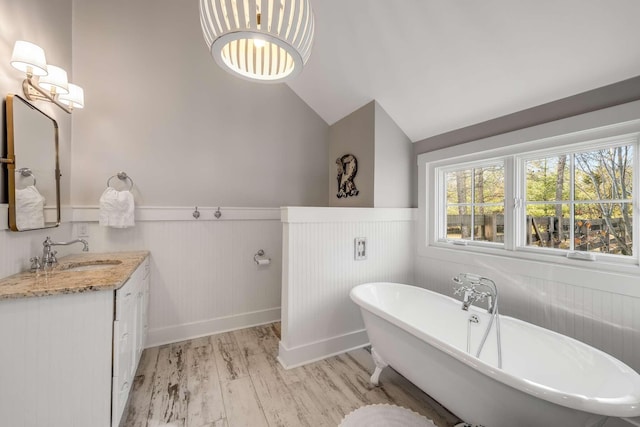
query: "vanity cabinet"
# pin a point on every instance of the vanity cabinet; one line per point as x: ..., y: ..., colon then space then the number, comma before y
x: 69, y: 359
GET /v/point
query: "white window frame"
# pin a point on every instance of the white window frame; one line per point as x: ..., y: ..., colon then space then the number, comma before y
x: 571, y: 149
x: 441, y: 185
x: 587, y: 130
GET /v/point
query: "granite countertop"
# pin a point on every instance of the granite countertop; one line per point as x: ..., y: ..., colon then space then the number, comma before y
x: 62, y: 281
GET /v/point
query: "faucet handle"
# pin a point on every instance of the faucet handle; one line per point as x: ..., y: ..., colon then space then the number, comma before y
x: 35, y: 264
x: 462, y: 290
x: 53, y: 258
x: 480, y: 296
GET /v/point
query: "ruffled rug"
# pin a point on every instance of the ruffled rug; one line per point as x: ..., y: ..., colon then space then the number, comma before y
x: 383, y: 415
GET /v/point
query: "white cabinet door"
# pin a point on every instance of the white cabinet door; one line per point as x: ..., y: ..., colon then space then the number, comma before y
x: 128, y: 337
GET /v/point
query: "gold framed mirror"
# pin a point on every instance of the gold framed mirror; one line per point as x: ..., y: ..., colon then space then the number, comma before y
x: 33, y: 166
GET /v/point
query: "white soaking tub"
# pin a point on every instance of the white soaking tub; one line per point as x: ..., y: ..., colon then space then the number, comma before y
x: 547, y: 379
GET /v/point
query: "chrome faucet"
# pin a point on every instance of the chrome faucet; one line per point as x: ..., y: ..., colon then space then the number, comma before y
x: 49, y: 257
x: 477, y: 288
x: 474, y: 288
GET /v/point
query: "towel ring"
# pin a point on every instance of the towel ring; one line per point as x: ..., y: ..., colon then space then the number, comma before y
x: 122, y: 176
x: 26, y: 172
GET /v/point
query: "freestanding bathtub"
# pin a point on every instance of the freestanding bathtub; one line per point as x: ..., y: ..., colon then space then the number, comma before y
x: 547, y: 379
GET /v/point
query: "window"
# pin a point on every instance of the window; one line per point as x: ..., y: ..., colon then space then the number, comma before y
x: 474, y: 203
x: 581, y: 200
x: 560, y: 197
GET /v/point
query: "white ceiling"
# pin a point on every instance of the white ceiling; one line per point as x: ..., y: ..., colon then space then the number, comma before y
x: 439, y: 65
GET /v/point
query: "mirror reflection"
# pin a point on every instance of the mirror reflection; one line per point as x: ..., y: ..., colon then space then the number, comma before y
x: 34, y: 176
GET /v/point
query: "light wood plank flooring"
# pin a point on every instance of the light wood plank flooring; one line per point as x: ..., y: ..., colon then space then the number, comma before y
x: 234, y: 380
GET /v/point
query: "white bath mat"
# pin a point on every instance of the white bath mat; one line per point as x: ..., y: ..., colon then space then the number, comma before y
x: 385, y: 416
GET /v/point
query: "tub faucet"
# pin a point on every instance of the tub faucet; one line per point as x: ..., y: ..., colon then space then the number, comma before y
x: 470, y: 296
x: 475, y: 288
x: 49, y: 257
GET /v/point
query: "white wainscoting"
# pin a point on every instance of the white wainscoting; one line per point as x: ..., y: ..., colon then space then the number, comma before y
x: 319, y: 270
x: 203, y: 276
x: 606, y: 320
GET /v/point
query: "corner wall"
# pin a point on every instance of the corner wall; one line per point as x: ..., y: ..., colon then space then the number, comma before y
x: 395, y: 164
x: 354, y: 134
x: 319, y: 270
x: 386, y: 165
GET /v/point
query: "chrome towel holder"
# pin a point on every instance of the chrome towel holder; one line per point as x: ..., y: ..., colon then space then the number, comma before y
x: 122, y: 176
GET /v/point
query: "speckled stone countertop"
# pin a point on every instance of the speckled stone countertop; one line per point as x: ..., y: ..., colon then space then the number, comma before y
x: 62, y: 281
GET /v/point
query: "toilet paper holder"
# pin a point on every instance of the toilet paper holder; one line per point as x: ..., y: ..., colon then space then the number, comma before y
x: 260, y: 259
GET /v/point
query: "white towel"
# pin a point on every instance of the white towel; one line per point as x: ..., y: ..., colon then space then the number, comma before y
x: 116, y: 208
x: 29, y: 208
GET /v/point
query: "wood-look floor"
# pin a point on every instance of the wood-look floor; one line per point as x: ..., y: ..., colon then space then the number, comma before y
x: 234, y: 380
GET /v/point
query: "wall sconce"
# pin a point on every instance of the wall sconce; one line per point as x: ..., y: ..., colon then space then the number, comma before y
x: 45, y: 82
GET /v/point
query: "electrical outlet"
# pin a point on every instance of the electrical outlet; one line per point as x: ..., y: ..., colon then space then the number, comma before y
x: 83, y: 229
x: 360, y: 248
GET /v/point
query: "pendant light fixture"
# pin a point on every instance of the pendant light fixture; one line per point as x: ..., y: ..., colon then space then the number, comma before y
x: 264, y: 40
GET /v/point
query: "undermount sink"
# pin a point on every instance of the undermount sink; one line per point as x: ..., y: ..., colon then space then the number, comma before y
x: 90, y: 265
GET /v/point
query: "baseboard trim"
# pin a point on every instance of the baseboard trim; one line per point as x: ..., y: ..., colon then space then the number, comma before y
x: 309, y: 353
x: 203, y: 328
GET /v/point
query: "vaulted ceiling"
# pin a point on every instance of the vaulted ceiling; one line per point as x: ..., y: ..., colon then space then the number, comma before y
x: 439, y: 65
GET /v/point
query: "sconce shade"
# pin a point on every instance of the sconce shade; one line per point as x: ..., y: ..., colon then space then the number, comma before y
x: 56, y: 81
x: 75, y: 97
x: 264, y: 40
x: 28, y: 57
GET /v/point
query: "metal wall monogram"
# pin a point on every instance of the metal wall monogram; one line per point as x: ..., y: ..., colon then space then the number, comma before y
x: 347, y: 170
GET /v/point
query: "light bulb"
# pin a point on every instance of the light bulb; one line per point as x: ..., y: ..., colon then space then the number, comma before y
x: 259, y: 42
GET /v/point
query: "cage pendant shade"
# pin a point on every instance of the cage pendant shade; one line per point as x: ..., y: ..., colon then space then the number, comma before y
x: 264, y: 40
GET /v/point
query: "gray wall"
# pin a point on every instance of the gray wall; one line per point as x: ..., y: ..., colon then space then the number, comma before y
x: 386, y: 165
x: 354, y: 134
x: 395, y: 169
x: 188, y: 133
x: 596, y: 99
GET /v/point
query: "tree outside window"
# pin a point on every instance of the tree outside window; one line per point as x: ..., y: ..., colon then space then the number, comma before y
x: 475, y: 203
x: 581, y: 201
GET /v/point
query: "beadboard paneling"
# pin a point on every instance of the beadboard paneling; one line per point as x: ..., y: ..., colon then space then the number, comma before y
x: 55, y: 362
x: 605, y: 320
x: 203, y: 277
x: 319, y: 272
